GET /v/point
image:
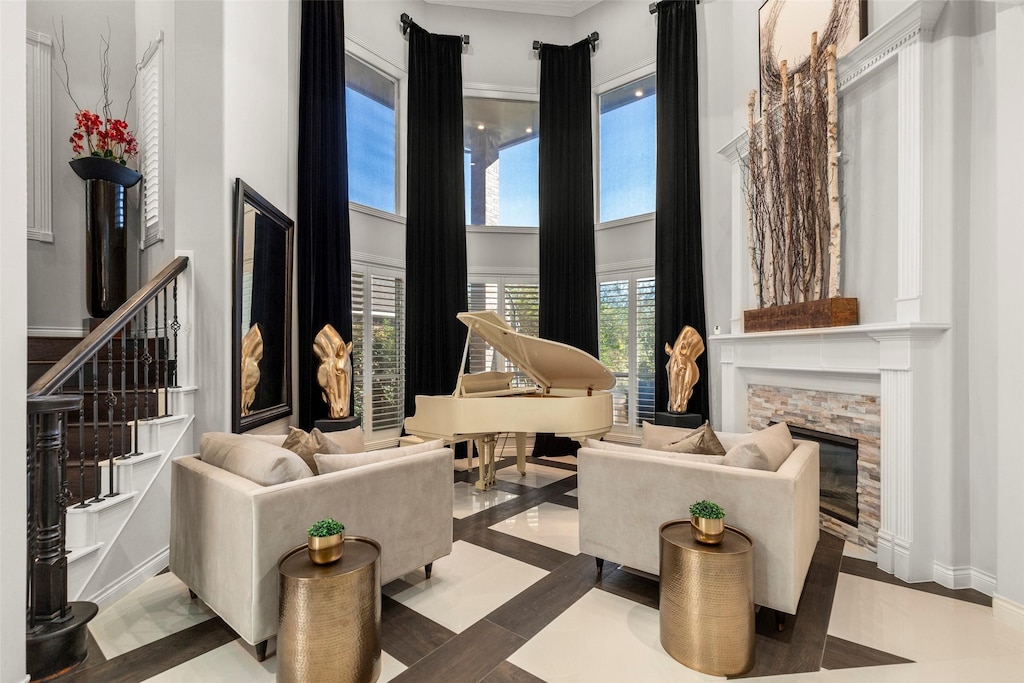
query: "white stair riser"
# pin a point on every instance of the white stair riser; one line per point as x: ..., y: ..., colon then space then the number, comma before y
x: 153, y: 434
x: 80, y: 566
x: 98, y: 523
x: 131, y: 474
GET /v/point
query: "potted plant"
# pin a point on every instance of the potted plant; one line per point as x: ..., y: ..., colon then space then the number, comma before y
x: 707, y: 522
x: 326, y: 541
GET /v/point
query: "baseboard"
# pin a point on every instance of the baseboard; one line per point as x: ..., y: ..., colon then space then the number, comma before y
x: 1008, y: 611
x: 963, y: 577
x: 132, y: 580
x: 56, y: 332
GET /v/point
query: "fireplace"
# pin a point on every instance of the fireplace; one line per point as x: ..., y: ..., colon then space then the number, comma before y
x: 838, y: 478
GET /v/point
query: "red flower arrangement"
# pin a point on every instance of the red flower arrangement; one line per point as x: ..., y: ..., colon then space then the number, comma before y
x: 106, y: 138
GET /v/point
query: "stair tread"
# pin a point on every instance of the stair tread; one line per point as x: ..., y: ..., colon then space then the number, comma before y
x: 76, y: 554
x: 104, y: 504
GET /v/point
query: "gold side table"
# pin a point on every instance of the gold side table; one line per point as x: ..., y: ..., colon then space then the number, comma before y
x: 329, y: 625
x: 707, y: 600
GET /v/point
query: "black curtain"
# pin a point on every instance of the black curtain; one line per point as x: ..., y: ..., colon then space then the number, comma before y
x: 268, y: 308
x: 568, y: 278
x: 435, y: 242
x: 324, y: 263
x: 678, y: 255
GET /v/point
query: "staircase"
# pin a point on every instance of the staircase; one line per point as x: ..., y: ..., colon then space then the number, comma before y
x: 136, y: 416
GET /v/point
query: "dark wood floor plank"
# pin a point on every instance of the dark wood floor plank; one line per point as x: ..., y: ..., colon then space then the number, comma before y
x: 799, y: 648
x: 557, y: 464
x: 844, y: 654
x: 407, y: 635
x: 466, y: 658
x: 869, y: 570
x: 527, y: 498
x: 156, y: 657
x: 534, y: 608
x: 625, y: 584
x: 566, y: 501
x: 506, y: 672
x: 538, y: 555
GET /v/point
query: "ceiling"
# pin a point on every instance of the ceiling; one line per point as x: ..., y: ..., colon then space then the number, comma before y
x: 553, y: 8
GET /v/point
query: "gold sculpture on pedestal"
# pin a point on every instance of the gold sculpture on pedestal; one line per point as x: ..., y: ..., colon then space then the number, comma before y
x: 252, y: 354
x: 335, y: 371
x: 682, y: 370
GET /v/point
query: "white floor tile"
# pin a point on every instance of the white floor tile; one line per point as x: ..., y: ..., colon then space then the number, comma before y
x: 918, y: 625
x: 469, y: 500
x: 536, y: 475
x: 859, y: 552
x: 603, y: 638
x: 547, y: 524
x: 467, y: 585
x: 157, y: 608
x: 979, y: 670
x: 575, y: 493
x: 232, y: 662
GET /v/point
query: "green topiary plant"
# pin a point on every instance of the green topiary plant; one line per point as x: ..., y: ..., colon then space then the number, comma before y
x: 326, y: 527
x: 707, y: 510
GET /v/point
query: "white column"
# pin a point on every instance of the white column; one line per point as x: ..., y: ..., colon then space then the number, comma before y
x: 896, y: 528
x: 912, y: 64
x: 736, y: 152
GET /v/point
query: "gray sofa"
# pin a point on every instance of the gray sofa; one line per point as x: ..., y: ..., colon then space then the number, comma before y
x: 228, y: 532
x: 626, y: 493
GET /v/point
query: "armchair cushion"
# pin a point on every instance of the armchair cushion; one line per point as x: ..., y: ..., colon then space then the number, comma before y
x: 306, y: 444
x: 701, y: 440
x: 687, y: 457
x: 255, y: 459
x: 351, y: 440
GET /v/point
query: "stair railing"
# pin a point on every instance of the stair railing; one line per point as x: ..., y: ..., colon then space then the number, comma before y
x: 139, y: 339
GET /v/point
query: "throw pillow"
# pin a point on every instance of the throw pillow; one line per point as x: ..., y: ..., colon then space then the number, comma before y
x: 257, y: 461
x: 351, y: 440
x: 775, y: 442
x: 634, y: 450
x: 656, y: 437
x: 306, y: 445
x: 336, y: 463
x: 747, y: 454
x: 702, y: 440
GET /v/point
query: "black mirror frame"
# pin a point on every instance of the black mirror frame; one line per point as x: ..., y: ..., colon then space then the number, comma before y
x: 241, y: 423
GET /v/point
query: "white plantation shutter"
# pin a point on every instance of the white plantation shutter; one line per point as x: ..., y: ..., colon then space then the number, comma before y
x: 38, y: 60
x: 378, y: 349
x: 518, y: 304
x: 626, y: 334
x: 150, y: 115
x: 521, y: 307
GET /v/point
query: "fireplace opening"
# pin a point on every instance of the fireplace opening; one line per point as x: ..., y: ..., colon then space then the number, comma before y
x: 838, y: 476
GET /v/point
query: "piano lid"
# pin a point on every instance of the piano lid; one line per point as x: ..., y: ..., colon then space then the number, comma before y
x: 551, y: 364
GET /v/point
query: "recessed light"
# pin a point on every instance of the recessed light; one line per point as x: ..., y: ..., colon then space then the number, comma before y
x: 529, y: 130
x: 480, y: 127
x: 639, y: 93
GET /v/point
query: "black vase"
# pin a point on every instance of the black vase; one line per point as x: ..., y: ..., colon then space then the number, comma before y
x: 106, y: 266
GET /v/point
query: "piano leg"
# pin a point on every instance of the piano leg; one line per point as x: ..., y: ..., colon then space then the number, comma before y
x: 521, y: 452
x: 485, y: 459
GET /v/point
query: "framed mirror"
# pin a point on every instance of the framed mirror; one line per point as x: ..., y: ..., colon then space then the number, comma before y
x: 262, y: 315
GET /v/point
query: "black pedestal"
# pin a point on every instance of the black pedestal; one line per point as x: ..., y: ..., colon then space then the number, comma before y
x: 56, y: 647
x: 690, y: 420
x: 339, y: 425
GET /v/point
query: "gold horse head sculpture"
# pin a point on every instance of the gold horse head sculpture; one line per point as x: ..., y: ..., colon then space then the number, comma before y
x: 335, y: 371
x: 682, y: 370
x: 252, y: 354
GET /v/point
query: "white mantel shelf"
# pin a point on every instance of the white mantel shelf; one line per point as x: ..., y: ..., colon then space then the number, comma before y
x: 875, y: 331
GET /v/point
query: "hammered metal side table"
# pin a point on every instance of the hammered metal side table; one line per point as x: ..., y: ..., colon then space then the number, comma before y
x: 329, y: 624
x: 706, y: 600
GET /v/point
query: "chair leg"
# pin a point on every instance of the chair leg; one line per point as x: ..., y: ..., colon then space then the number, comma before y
x: 780, y: 620
x: 192, y: 594
x: 261, y: 650
x: 600, y: 564
x: 427, y: 567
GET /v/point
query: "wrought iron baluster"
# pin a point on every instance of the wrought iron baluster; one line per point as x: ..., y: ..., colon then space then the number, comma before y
x: 135, y: 381
x: 97, y: 479
x: 165, y: 345
x: 82, y: 502
x: 146, y: 357
x: 111, y: 402
x: 175, y: 326
x: 30, y: 532
x: 124, y: 395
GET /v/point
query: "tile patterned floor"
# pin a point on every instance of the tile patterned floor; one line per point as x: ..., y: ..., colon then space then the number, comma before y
x: 516, y: 602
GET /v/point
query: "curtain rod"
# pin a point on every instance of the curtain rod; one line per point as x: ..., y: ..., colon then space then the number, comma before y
x: 654, y: 6
x: 407, y: 22
x: 592, y: 39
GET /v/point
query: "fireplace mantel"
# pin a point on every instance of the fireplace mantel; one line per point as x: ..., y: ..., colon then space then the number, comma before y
x: 902, y: 364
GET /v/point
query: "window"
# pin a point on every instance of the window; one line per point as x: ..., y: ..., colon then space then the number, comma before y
x: 150, y: 86
x: 378, y: 350
x: 500, y: 138
x: 370, y: 118
x: 627, y: 148
x: 519, y: 304
x: 626, y: 330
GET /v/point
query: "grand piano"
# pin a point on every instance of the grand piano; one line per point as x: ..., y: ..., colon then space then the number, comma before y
x: 571, y: 397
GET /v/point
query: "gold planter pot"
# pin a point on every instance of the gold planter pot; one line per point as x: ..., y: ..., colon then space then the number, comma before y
x: 326, y: 549
x: 710, y: 531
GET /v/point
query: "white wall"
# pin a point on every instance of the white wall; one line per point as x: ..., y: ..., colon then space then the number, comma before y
x: 13, y: 311
x: 56, y: 272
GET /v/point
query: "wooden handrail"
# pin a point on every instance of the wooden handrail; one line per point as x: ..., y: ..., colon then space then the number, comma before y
x: 72, y: 362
